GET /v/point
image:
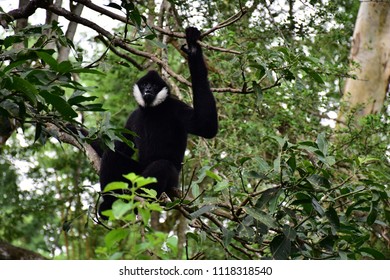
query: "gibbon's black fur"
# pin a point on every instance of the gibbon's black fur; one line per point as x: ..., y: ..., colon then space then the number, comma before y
x: 162, y: 123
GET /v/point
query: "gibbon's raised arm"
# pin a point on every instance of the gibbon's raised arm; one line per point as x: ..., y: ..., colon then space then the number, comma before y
x: 203, y: 120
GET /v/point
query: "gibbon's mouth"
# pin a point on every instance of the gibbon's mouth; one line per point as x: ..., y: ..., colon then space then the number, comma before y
x: 149, y: 99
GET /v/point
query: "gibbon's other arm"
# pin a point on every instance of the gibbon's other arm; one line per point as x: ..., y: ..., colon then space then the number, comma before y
x: 203, y: 120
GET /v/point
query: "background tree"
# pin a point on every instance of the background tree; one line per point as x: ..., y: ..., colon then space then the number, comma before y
x: 271, y: 185
x: 366, y: 91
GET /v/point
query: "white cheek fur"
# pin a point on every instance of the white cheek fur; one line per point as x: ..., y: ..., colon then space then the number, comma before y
x: 138, y: 96
x: 160, y: 97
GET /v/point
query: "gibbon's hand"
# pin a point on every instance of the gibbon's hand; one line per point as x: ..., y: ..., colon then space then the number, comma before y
x: 192, y: 36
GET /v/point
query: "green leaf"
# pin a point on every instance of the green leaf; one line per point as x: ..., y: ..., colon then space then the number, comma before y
x: 195, y: 190
x: 158, y: 44
x: 288, y: 75
x: 139, y: 181
x: 14, y: 65
x: 59, y: 104
x: 38, y: 132
x: 115, y: 236
x: 213, y: 175
x: 78, y: 98
x: 292, y: 162
x: 48, y: 59
x: 258, y: 90
x: 372, y: 252
x: 116, y: 186
x: 318, y: 181
x: 289, y: 232
x: 280, y: 247
x: 330, y: 160
x: 150, y: 193
x: 114, y: 5
x: 263, y: 165
x: 331, y: 214
x: 10, y: 40
x: 96, y: 107
x: 155, y: 207
x: 261, y: 217
x: 266, y: 197
x: 254, y: 174
x: 221, y: 186
x: 317, y: 207
x: 116, y: 256
x: 129, y: 6
x: 136, y: 17
x: 367, y: 160
x: 227, y: 236
x: 151, y: 36
x: 322, y: 144
x: 372, y: 215
x: 145, y: 214
x: 87, y: 71
x: 64, y: 67
x: 282, y: 142
x: 193, y: 236
x: 25, y: 87
x: 120, y: 208
x: 354, y: 207
x: 204, y: 209
x: 314, y: 75
x: 285, y: 51
x: 244, y: 159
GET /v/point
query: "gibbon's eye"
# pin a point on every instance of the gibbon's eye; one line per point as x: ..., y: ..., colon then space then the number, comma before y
x: 148, y: 88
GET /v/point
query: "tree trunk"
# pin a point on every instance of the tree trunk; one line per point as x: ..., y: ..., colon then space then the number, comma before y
x: 371, y: 52
x: 63, y: 53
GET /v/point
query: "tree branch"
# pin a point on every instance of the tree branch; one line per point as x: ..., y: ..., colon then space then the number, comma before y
x: 62, y: 136
x: 120, y: 54
x: 23, y: 12
x: 114, y: 41
x: 227, y: 22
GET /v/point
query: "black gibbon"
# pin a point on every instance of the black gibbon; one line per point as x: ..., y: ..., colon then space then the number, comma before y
x: 162, y: 124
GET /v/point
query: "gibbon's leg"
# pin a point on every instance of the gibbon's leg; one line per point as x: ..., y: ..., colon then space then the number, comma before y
x: 166, y: 174
x: 113, y: 166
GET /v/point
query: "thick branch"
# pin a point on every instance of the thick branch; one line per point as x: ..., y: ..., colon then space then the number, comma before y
x: 22, y: 12
x: 11, y: 252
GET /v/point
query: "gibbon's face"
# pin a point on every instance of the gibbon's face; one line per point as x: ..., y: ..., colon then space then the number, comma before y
x: 150, y: 90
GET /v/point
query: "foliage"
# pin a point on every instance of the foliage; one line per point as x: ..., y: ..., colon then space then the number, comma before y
x: 123, y: 241
x: 34, y: 84
x: 300, y: 205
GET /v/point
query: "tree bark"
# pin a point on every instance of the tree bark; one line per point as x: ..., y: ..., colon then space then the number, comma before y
x: 11, y: 252
x: 366, y: 93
